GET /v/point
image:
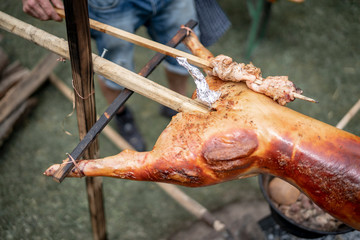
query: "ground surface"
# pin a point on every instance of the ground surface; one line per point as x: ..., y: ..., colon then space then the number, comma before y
x: 248, y: 221
x: 315, y: 43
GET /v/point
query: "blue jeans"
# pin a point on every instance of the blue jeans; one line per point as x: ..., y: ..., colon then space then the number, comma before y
x: 162, y: 18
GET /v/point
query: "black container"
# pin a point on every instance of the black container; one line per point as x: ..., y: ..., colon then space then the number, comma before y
x: 290, y: 225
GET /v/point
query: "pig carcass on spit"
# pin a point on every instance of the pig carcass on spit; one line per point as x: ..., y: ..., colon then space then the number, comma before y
x: 244, y: 134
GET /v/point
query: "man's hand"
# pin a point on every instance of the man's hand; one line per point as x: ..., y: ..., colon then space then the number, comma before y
x: 43, y: 9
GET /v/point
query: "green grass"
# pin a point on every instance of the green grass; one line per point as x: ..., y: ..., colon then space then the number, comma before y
x: 314, y: 43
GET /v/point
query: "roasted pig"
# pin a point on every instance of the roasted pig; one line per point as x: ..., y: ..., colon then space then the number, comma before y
x: 244, y: 134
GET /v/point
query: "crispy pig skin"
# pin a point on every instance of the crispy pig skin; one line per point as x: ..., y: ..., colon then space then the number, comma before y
x: 246, y: 133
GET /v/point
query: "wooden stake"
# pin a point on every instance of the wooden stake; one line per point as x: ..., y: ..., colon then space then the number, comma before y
x: 78, y: 32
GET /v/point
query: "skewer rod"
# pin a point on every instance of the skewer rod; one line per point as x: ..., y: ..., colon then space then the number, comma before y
x: 143, y: 42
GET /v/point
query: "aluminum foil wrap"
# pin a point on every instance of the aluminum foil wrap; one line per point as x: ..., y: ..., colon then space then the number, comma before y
x: 204, y: 94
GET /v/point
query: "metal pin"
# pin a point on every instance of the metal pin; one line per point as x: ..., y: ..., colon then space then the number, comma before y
x: 104, y: 52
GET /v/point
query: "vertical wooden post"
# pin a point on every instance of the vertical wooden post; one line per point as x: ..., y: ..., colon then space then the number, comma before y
x: 78, y: 33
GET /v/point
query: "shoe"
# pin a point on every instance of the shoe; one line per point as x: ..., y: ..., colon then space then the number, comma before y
x: 127, y: 128
x: 167, y: 112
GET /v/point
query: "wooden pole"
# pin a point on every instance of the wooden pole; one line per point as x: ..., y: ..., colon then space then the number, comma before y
x: 105, y: 67
x: 349, y: 115
x: 78, y: 33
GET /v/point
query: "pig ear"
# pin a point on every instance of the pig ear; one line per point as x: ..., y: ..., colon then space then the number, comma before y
x: 237, y: 144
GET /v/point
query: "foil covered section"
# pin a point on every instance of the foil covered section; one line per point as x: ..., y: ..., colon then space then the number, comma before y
x: 204, y: 94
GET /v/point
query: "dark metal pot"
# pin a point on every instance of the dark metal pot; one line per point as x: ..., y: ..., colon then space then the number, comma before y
x: 290, y: 225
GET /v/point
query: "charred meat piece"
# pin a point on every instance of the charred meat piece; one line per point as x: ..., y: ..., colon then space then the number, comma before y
x: 279, y: 88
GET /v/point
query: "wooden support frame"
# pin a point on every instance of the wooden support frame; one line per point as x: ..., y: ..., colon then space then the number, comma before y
x: 78, y: 33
